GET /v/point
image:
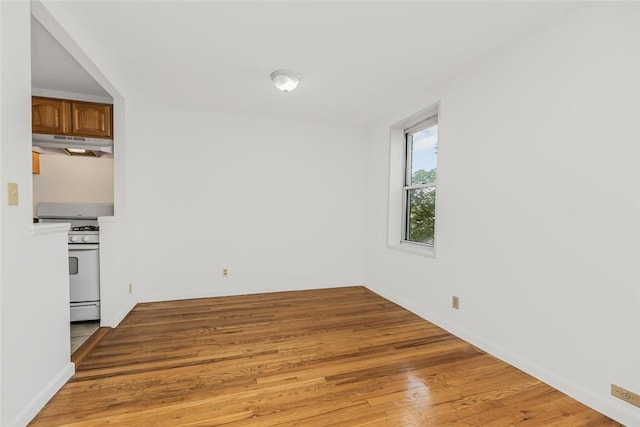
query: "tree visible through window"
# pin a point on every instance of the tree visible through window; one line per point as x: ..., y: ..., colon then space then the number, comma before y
x: 421, y: 151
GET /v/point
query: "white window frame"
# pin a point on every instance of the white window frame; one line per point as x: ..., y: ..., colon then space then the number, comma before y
x: 399, y: 167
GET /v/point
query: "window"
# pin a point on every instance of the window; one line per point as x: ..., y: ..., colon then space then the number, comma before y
x: 413, y: 155
x: 419, y: 189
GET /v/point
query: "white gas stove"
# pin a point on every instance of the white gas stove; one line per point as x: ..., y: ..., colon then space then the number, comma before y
x: 84, y: 252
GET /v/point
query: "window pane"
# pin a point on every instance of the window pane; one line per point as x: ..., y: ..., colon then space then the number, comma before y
x: 421, y: 215
x: 423, y: 151
x: 73, y: 266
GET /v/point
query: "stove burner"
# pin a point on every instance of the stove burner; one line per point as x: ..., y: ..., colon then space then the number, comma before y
x: 86, y: 228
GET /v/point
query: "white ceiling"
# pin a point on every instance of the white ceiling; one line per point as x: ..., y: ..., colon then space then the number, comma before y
x: 53, y: 68
x: 361, y: 61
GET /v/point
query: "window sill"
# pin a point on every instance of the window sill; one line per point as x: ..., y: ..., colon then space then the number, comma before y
x: 422, y: 250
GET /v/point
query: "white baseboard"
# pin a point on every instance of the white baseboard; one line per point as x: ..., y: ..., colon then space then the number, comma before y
x: 115, y: 320
x: 627, y: 416
x: 225, y: 292
x: 37, y: 403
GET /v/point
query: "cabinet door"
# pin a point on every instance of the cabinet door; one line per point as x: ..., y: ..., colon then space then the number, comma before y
x: 89, y: 119
x: 35, y: 162
x: 48, y: 116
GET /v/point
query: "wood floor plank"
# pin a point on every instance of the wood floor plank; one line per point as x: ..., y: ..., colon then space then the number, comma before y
x: 81, y: 352
x: 342, y: 356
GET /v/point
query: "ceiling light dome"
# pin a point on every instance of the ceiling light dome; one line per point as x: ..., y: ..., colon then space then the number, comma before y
x: 285, y: 80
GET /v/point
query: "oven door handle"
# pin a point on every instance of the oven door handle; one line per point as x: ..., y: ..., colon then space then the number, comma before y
x: 84, y: 247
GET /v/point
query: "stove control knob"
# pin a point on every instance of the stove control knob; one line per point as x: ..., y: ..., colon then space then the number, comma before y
x: 85, y: 238
x: 73, y: 239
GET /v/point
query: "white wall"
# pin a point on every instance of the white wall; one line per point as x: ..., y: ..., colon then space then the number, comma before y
x: 73, y: 179
x: 538, y: 230
x: 280, y: 203
x: 34, y: 289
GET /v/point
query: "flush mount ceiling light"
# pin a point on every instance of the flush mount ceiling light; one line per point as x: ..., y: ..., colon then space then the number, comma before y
x: 285, y: 80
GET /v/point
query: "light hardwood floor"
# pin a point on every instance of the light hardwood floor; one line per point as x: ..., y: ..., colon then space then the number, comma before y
x: 342, y: 356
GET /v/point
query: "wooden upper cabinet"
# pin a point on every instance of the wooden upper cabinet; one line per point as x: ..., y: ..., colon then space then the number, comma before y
x: 76, y: 118
x: 89, y: 119
x: 48, y: 116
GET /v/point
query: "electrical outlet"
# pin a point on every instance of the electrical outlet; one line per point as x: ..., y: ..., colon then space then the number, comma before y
x: 455, y: 302
x: 625, y: 395
x: 225, y: 272
x: 130, y: 288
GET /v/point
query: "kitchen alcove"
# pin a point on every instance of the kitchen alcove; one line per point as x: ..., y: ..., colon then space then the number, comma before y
x: 62, y: 70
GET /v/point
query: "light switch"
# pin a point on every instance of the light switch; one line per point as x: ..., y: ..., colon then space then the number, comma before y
x: 12, y: 191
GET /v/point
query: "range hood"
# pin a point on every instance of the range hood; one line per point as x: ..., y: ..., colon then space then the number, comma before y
x: 66, y: 144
